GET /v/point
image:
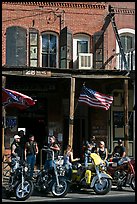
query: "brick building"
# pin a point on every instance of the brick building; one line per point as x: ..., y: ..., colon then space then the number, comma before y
x: 49, y: 49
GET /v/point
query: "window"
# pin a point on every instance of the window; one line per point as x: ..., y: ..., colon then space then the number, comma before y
x: 33, y: 48
x: 16, y: 46
x: 82, y: 47
x: 49, y: 50
x: 81, y: 44
x: 127, y: 37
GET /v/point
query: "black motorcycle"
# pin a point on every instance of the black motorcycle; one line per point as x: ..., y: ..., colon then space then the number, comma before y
x: 52, y: 180
x: 20, y: 185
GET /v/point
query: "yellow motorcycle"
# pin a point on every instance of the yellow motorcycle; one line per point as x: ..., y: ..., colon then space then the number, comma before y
x: 93, y: 176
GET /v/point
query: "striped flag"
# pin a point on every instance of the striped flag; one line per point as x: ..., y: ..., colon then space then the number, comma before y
x: 95, y: 99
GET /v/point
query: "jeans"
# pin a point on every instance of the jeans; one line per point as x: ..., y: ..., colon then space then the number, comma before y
x: 31, y: 160
x: 48, y: 164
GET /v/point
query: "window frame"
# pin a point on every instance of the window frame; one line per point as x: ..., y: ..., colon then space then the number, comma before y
x: 57, y: 47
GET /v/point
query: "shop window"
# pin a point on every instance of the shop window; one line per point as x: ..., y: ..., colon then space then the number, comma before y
x: 16, y: 46
x: 118, y: 127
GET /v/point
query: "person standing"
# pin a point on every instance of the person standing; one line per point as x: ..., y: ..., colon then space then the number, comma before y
x: 15, y: 151
x: 31, y: 150
x: 93, y: 144
x: 68, y: 160
x: 22, y: 142
x: 55, y: 147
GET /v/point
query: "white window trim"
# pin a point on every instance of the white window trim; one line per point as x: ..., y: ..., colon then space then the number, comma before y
x: 57, y: 47
x: 76, y: 38
x: 122, y: 31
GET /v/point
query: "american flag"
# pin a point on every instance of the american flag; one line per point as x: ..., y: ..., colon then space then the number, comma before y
x: 94, y: 98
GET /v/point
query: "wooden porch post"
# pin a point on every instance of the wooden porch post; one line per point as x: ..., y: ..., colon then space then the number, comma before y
x: 71, y: 115
x: 126, y: 139
x: 3, y: 118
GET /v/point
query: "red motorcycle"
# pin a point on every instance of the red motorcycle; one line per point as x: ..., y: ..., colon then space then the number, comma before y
x: 122, y: 170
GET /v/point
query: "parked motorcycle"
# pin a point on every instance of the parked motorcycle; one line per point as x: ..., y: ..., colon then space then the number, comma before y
x: 20, y: 184
x: 52, y: 180
x: 122, y: 171
x: 93, y: 176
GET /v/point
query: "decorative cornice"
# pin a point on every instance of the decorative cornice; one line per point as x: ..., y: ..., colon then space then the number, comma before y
x: 85, y: 5
x: 124, y: 11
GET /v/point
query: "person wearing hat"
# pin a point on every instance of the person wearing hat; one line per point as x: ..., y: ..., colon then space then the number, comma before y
x: 120, y: 149
x: 15, y: 151
x: 56, y: 148
x: 31, y: 150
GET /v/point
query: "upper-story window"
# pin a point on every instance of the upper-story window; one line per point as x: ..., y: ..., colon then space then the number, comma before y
x: 127, y: 37
x: 81, y: 44
x: 49, y: 50
x: 33, y: 48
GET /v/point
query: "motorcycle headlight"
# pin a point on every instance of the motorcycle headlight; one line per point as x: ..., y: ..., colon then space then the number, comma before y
x: 102, y: 167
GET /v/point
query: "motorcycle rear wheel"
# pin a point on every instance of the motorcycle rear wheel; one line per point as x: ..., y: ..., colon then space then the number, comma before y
x: 104, y: 187
x: 61, y: 190
x: 26, y: 192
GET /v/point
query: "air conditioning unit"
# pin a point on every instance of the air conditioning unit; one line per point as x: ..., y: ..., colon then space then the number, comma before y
x: 85, y: 61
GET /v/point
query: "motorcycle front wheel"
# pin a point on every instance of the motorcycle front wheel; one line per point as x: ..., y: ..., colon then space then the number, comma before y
x: 61, y: 190
x: 24, y: 191
x: 103, y: 187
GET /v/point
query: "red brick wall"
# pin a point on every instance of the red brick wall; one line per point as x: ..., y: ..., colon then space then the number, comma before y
x: 78, y: 17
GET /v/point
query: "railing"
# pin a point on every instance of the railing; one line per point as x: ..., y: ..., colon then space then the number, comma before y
x: 130, y: 58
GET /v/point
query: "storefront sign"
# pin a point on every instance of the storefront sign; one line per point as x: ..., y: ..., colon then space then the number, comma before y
x: 38, y: 73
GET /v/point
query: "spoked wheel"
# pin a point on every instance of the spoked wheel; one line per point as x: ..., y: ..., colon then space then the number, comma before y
x: 24, y: 191
x: 103, y: 187
x: 61, y: 190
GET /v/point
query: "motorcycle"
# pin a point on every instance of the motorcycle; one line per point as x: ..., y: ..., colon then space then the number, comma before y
x: 122, y: 171
x: 20, y: 184
x: 93, y: 176
x: 52, y: 180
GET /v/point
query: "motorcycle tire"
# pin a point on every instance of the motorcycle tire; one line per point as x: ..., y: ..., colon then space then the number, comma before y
x: 104, y: 188
x: 26, y: 192
x: 133, y: 183
x: 61, y: 190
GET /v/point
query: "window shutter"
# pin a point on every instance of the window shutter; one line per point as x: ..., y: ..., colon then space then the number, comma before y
x: 33, y: 48
x: 98, y: 50
x: 66, y: 45
x: 16, y: 46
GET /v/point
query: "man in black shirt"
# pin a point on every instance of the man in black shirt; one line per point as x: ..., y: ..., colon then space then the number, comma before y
x: 120, y: 149
x: 23, y: 141
x: 31, y: 150
x: 15, y: 151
